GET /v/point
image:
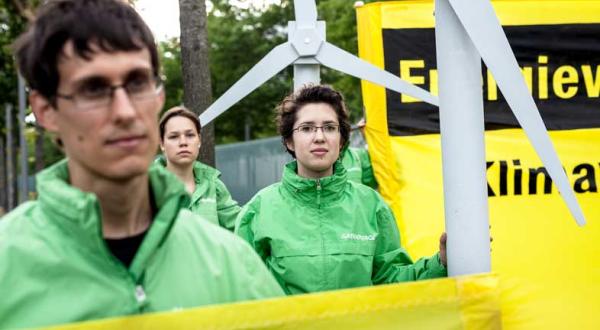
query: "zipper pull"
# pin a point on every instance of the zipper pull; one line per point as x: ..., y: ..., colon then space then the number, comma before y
x: 140, y: 294
x: 319, y: 192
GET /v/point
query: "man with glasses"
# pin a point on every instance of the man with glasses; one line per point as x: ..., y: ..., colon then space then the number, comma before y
x: 108, y: 236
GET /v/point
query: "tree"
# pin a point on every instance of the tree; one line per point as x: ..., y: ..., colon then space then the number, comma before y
x: 341, y: 31
x: 170, y: 57
x: 14, y: 16
x: 11, y: 25
x: 197, y: 94
x: 238, y: 39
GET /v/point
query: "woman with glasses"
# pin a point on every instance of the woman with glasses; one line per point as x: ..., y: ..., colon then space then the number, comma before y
x: 316, y: 230
x: 180, y: 143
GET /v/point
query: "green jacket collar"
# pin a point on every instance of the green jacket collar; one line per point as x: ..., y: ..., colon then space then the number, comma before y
x: 314, y: 192
x: 204, y: 175
x: 202, y: 172
x: 78, y: 213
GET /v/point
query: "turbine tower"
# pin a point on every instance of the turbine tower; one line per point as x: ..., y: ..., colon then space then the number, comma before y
x: 467, y: 31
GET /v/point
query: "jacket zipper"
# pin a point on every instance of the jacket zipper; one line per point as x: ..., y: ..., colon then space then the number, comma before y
x: 138, y: 289
x: 319, y: 193
x: 138, y: 292
x: 323, y: 255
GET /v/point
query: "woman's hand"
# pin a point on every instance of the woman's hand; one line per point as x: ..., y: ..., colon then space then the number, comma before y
x: 443, y: 239
x: 443, y: 259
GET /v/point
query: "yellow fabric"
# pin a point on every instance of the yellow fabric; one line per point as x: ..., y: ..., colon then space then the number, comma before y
x: 469, y: 302
x: 419, y: 13
x: 549, y: 268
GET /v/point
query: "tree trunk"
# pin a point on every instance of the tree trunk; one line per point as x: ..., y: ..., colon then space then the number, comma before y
x: 197, y: 94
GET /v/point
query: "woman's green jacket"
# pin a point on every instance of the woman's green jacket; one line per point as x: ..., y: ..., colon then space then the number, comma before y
x: 328, y: 233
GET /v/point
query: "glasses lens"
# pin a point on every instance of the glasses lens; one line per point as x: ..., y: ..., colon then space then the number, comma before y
x: 306, y: 129
x: 87, y: 103
x: 92, y: 93
x: 330, y: 129
x: 141, y: 88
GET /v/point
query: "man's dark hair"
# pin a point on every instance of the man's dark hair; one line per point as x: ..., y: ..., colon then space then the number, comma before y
x: 111, y: 25
x: 288, y: 109
x: 178, y: 111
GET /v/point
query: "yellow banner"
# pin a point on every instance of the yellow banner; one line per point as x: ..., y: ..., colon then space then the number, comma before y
x: 549, y: 268
x: 468, y: 302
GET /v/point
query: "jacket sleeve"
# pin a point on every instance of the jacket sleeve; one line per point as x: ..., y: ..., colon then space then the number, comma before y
x: 227, y: 208
x: 368, y: 177
x: 261, y: 282
x: 392, y: 263
x: 245, y: 227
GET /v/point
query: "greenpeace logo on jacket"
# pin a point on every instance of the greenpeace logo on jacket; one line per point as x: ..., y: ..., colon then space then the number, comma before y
x: 358, y: 237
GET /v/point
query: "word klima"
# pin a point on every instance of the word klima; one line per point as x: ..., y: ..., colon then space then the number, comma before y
x: 585, y: 179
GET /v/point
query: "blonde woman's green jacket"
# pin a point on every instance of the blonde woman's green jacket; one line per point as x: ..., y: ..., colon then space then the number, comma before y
x: 328, y: 234
x: 211, y: 199
x: 55, y: 266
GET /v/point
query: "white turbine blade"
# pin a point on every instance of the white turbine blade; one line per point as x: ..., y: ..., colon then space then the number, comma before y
x: 306, y: 12
x: 339, y: 59
x: 480, y: 21
x: 275, y: 61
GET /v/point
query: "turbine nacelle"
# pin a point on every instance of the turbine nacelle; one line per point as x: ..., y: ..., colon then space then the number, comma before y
x: 306, y: 40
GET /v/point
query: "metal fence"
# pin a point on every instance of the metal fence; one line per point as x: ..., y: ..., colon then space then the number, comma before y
x: 250, y: 166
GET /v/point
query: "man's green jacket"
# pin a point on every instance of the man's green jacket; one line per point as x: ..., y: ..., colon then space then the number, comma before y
x: 328, y: 233
x: 55, y: 266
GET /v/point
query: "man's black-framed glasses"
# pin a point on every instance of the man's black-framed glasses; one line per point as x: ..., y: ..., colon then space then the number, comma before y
x: 98, y: 93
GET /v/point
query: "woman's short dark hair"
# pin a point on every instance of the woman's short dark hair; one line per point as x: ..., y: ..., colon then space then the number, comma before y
x: 110, y: 25
x: 288, y: 109
x: 175, y: 112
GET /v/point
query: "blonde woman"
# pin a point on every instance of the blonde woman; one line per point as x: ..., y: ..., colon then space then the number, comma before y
x: 180, y: 142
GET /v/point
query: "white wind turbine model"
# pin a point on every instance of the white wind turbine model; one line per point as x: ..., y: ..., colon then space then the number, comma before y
x: 466, y: 32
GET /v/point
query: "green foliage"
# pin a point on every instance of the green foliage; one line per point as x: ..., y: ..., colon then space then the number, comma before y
x: 52, y: 152
x: 239, y: 38
x: 341, y: 31
x: 170, y: 57
x: 11, y: 25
